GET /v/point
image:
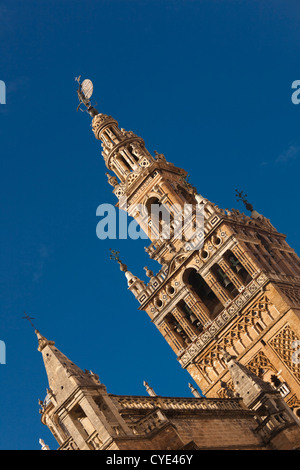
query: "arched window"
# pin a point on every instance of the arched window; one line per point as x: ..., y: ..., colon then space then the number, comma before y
x: 190, y: 316
x: 237, y: 267
x: 159, y: 217
x: 177, y: 329
x: 196, y: 284
x: 125, y: 163
x: 224, y: 280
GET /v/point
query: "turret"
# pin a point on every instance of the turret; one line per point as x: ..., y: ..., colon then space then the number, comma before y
x: 77, y: 408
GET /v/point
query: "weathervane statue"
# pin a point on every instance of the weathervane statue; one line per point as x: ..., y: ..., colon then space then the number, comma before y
x: 84, y: 92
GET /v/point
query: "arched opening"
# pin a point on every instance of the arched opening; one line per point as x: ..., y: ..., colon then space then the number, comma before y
x: 177, y: 329
x: 237, y: 267
x: 224, y: 280
x: 267, y: 253
x: 196, y: 284
x: 190, y: 316
x: 159, y: 217
x: 125, y: 163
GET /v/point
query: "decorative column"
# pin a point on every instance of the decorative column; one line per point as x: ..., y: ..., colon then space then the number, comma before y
x: 246, y: 259
x: 173, y: 338
x: 285, y: 265
x: 198, y: 307
x: 76, y: 433
x: 217, y: 288
x: 188, y: 327
x: 234, y: 278
x: 260, y: 259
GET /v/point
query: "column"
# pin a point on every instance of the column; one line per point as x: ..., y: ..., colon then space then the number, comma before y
x: 217, y: 288
x: 234, y: 278
x: 293, y: 258
x: 188, y: 327
x: 198, y: 307
x: 284, y: 263
x: 260, y: 259
x: 126, y: 155
x: 172, y: 338
x: 246, y: 259
x: 75, y: 432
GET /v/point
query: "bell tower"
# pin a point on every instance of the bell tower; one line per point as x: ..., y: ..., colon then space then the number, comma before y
x: 236, y: 287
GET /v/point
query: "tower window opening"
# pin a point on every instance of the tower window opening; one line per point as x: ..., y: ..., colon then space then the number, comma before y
x: 81, y: 420
x: 189, y: 314
x: 237, y: 267
x: 159, y: 215
x: 134, y: 157
x: 224, y: 280
x: 125, y: 163
x: 177, y: 328
x: 196, y: 284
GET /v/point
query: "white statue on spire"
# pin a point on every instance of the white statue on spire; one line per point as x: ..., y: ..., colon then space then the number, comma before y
x: 44, y: 446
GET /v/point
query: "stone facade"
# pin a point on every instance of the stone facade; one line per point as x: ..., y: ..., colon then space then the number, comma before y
x: 82, y: 415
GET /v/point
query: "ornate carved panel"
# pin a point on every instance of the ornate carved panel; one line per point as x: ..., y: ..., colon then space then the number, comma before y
x: 260, y: 363
x: 282, y: 344
x: 293, y: 294
x: 235, y: 339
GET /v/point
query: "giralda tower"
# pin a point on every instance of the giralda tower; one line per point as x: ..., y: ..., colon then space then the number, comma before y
x: 239, y: 293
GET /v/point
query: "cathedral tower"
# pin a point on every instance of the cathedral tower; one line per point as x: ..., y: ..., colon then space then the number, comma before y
x: 238, y: 290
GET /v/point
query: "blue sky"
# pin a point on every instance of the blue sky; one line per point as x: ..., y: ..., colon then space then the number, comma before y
x: 207, y: 83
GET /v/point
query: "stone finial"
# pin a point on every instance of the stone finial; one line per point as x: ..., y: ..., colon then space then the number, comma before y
x: 131, y: 278
x: 43, y: 341
x: 112, y: 180
x: 115, y: 256
x: 194, y: 391
x: 159, y: 156
x: 44, y: 446
x: 230, y: 393
x: 241, y: 196
x: 149, y: 390
x: 149, y: 273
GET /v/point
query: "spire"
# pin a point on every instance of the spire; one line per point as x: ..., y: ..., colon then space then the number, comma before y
x: 77, y: 408
x: 246, y: 384
x: 63, y: 375
x: 133, y: 282
x: 42, y: 341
